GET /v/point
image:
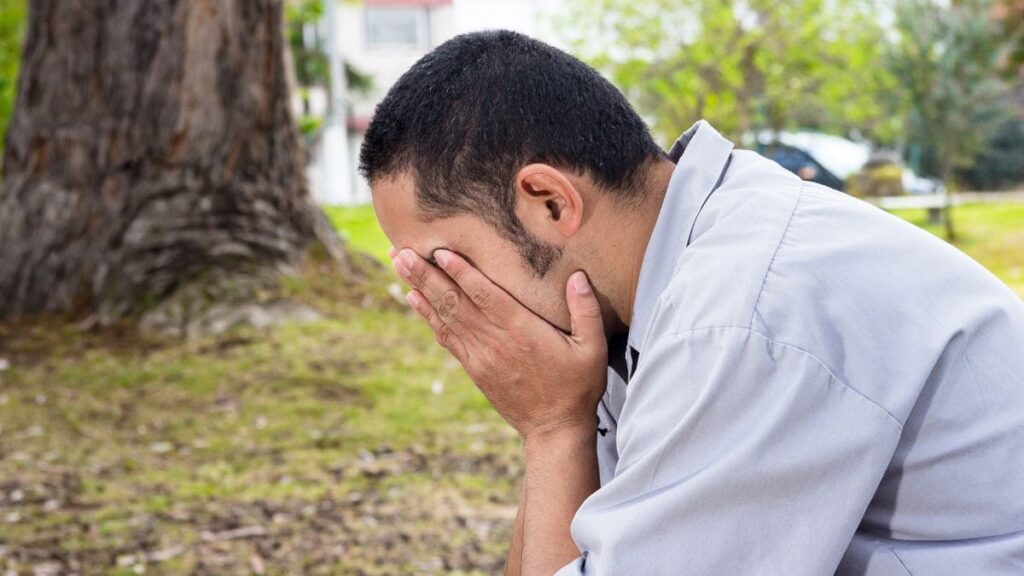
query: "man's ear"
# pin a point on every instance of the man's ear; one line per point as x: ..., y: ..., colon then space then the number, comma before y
x: 548, y: 204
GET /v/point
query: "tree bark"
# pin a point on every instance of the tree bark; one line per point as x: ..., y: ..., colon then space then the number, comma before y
x: 152, y: 143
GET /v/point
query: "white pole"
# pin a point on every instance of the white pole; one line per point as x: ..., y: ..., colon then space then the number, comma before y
x: 337, y: 180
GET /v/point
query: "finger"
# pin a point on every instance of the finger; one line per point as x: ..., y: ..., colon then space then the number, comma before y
x: 444, y: 296
x: 496, y: 304
x: 584, y: 311
x: 420, y: 305
x: 443, y: 333
x: 392, y: 252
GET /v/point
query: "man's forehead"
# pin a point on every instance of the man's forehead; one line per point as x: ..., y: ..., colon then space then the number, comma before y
x: 394, y: 201
x: 394, y: 204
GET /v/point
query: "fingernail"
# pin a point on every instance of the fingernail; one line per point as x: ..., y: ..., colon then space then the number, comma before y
x: 411, y: 299
x: 580, y: 284
x: 405, y: 257
x: 442, y: 257
x: 400, y: 267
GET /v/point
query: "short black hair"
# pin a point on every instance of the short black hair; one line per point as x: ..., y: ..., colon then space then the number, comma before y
x: 468, y: 115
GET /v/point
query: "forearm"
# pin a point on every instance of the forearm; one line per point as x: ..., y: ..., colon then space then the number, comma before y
x: 548, y: 379
x: 561, y: 472
x: 514, y: 562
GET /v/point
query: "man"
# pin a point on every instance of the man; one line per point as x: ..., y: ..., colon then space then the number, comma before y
x: 786, y: 380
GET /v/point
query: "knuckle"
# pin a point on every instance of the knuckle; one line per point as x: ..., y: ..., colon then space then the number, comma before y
x: 441, y: 336
x: 449, y: 304
x: 432, y: 319
x: 521, y: 327
x: 444, y: 336
x: 489, y: 364
x: 482, y: 297
x: 418, y: 275
x: 519, y: 343
x: 591, y: 311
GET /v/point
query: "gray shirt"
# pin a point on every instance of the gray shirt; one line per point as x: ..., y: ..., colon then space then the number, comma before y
x: 814, y: 387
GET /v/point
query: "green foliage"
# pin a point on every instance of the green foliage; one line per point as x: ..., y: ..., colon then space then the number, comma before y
x: 357, y: 80
x: 12, y: 31
x: 745, y: 66
x: 948, y: 58
x: 874, y: 181
x: 303, y: 11
x: 311, y: 65
x: 309, y: 125
x: 1012, y: 18
x: 1000, y: 164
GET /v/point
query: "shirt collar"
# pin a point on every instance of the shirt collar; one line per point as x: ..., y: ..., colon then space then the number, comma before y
x: 701, y: 155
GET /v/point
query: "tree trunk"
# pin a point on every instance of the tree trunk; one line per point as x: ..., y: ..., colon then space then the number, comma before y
x: 151, y: 145
x: 946, y: 177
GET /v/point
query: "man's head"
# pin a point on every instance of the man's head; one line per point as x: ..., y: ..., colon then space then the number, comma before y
x: 500, y: 148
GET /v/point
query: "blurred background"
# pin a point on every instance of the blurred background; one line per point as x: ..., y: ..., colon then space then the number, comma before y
x: 206, y: 364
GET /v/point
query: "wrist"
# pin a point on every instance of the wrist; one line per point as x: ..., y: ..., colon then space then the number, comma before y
x: 561, y: 473
x: 566, y: 434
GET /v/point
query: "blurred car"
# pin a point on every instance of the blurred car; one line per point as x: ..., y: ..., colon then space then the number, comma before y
x: 821, y: 158
x: 843, y: 164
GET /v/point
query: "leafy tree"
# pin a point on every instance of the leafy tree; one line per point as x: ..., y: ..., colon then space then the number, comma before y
x: 750, y: 65
x: 12, y: 30
x: 948, y: 57
x: 1001, y: 162
x: 310, y: 59
x: 1011, y: 14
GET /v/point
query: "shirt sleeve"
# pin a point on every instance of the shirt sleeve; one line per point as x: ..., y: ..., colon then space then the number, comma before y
x: 737, y: 455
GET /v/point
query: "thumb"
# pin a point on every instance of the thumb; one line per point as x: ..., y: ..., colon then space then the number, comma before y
x: 584, y: 311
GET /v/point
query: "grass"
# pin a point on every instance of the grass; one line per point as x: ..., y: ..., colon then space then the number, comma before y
x: 328, y: 439
x: 992, y: 234
x: 349, y: 445
x: 358, y: 225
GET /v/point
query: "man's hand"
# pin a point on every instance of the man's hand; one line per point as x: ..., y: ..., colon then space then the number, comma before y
x: 545, y: 383
x: 541, y: 380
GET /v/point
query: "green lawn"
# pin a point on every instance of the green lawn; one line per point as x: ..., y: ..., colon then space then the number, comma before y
x: 992, y: 234
x: 350, y: 445
x: 358, y: 225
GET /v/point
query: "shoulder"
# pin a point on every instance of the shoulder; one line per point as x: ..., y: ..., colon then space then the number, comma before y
x: 869, y: 295
x: 718, y: 276
x: 794, y: 262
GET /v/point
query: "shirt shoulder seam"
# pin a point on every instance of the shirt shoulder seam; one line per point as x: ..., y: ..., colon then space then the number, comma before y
x: 805, y: 352
x: 771, y: 262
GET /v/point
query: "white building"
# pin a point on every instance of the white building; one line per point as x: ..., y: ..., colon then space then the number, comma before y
x: 383, y: 38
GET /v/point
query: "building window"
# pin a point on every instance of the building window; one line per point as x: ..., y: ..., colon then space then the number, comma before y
x: 407, y: 26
